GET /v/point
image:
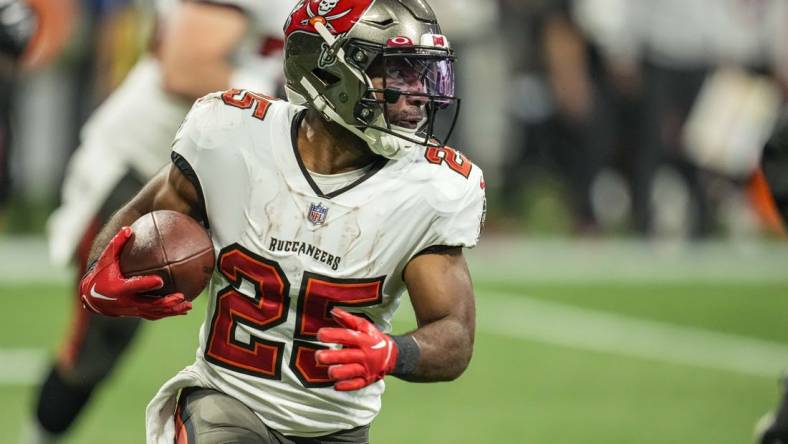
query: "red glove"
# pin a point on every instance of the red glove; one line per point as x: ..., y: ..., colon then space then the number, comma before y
x: 104, y: 290
x: 366, y: 356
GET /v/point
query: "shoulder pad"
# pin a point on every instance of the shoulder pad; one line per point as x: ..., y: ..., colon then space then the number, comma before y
x: 449, y: 178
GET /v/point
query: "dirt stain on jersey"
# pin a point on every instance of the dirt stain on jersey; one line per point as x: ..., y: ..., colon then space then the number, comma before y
x: 351, y: 231
x: 373, y: 249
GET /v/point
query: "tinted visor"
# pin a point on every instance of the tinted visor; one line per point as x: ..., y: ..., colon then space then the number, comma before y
x: 431, y: 77
x: 417, y: 93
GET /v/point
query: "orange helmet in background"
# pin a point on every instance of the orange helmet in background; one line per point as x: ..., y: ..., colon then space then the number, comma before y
x: 55, y: 20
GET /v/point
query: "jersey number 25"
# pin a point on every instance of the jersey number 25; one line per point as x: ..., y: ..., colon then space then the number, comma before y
x: 234, y: 342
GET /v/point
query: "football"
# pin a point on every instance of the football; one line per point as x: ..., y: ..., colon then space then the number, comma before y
x: 171, y: 245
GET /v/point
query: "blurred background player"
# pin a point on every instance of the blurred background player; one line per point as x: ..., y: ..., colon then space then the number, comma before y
x: 621, y: 101
x: 32, y: 33
x: 773, y: 427
x: 196, y: 47
x: 775, y: 167
x: 709, y: 77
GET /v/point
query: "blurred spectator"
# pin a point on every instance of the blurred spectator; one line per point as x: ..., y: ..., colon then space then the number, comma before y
x: 557, y: 106
x: 671, y: 47
x: 772, y: 428
x: 482, y: 68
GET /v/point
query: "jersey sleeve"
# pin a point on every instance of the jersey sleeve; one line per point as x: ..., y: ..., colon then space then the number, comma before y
x: 203, y: 150
x: 459, y: 206
x: 202, y: 128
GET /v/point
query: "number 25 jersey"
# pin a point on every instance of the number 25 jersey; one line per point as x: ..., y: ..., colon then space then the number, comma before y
x: 287, y: 253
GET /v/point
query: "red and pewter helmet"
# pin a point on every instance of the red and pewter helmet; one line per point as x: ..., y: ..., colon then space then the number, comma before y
x: 333, y: 48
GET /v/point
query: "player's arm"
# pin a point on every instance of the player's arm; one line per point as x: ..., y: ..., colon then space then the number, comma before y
x: 196, y: 48
x: 442, y: 297
x: 104, y: 289
x: 441, y: 293
x: 439, y: 350
x: 567, y: 63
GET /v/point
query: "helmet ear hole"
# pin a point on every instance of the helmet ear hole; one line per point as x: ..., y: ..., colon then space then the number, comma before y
x: 326, y: 77
x: 364, y: 112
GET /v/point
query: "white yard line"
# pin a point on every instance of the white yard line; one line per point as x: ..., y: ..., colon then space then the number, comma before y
x: 25, y: 260
x: 22, y: 366
x: 519, y: 259
x: 517, y: 316
x: 520, y: 317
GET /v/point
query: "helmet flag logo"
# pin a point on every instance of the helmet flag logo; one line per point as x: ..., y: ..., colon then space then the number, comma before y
x: 338, y: 16
x: 325, y: 6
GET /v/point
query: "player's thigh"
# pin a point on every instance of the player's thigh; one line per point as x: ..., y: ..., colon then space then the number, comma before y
x: 206, y: 416
x: 102, y: 343
x: 95, y: 342
x: 128, y: 187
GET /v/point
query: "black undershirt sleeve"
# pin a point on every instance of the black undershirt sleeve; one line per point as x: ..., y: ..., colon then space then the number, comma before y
x: 186, y: 169
x: 436, y: 249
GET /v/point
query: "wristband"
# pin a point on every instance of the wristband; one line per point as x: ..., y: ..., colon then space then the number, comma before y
x: 408, y: 353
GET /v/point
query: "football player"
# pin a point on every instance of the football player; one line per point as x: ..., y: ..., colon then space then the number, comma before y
x: 323, y: 210
x: 773, y: 428
x: 774, y: 165
x: 198, y: 47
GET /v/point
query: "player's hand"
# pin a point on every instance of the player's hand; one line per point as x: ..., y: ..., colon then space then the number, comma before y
x: 106, y: 291
x: 366, y: 356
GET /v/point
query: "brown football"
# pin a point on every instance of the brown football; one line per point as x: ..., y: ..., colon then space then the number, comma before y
x: 171, y: 245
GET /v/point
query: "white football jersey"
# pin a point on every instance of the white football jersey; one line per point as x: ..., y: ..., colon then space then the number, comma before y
x: 287, y: 253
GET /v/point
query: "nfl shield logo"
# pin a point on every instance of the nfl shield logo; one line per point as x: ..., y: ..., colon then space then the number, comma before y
x: 317, y: 213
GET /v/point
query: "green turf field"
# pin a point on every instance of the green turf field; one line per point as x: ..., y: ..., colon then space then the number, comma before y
x: 526, y: 384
